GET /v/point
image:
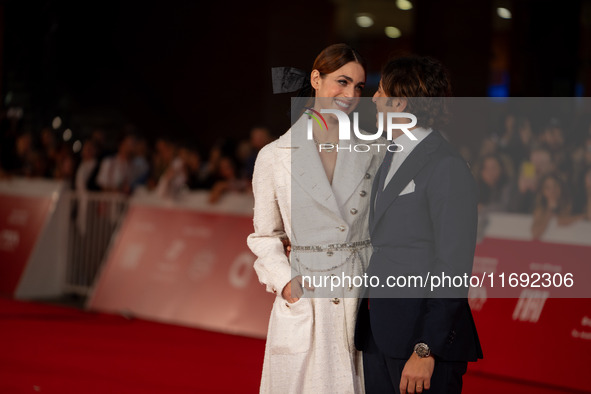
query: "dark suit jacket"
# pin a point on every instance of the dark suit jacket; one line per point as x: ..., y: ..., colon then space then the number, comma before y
x: 431, y: 230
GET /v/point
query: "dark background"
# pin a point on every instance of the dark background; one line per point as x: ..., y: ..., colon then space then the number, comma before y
x: 200, y: 71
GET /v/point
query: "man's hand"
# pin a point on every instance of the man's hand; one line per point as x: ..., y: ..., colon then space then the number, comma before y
x: 416, y: 375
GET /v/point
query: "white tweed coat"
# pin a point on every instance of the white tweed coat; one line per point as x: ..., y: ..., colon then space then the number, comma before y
x: 310, y: 342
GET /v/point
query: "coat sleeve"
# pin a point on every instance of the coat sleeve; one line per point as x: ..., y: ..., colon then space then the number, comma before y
x: 272, y: 265
x: 453, y: 210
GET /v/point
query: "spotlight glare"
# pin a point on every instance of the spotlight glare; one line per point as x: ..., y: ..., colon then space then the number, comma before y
x: 404, y: 5
x: 392, y: 32
x: 56, y: 123
x: 77, y: 146
x: 364, y: 20
x: 503, y: 13
x: 67, y: 135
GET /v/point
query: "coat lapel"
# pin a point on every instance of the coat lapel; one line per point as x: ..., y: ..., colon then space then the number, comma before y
x: 407, y: 171
x: 350, y: 170
x: 306, y: 168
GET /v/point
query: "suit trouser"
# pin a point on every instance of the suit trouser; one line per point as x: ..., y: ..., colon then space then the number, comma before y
x: 382, y: 373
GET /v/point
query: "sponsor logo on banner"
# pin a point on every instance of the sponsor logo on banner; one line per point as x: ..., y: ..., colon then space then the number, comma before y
x: 477, y: 296
x: 18, y: 217
x: 202, y: 264
x: 530, y: 305
x: 131, y: 256
x: 586, y: 335
x: 581, y: 334
x: 9, y: 240
x: 241, y: 270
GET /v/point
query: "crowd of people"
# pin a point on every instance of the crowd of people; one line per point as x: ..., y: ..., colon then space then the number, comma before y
x: 537, y: 172
x: 165, y: 167
x: 518, y: 170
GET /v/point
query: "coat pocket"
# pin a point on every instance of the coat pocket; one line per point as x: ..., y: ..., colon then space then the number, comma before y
x: 290, y: 326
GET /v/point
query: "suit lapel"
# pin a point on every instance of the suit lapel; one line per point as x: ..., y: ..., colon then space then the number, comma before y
x: 407, y: 171
x: 374, y: 190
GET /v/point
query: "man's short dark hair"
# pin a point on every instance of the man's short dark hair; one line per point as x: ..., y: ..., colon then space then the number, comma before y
x: 424, y: 81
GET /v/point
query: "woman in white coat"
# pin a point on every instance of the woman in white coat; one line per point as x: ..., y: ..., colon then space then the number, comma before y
x: 318, y: 199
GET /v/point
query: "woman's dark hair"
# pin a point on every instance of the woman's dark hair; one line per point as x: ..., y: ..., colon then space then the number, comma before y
x: 329, y: 60
x: 580, y: 191
x: 336, y: 56
x: 424, y: 82
x: 488, y: 194
x: 564, y: 203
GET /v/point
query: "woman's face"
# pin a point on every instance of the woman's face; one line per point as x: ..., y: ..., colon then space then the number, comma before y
x: 509, y: 123
x: 588, y: 182
x: 88, y: 151
x: 491, y: 171
x: 551, y: 190
x: 525, y: 133
x: 227, y: 168
x: 340, y: 89
x: 553, y: 137
x: 587, y: 154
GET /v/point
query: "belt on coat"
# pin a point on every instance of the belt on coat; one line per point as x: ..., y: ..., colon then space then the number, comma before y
x: 353, y: 247
x: 332, y: 247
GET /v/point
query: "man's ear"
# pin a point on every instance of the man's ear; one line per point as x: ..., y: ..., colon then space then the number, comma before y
x: 315, y: 79
x: 399, y: 104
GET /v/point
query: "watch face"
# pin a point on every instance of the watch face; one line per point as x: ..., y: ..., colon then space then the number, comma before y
x: 422, y: 349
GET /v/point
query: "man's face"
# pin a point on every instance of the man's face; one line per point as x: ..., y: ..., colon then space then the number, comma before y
x: 128, y: 147
x: 542, y: 162
x: 553, y: 137
x: 491, y: 171
x: 383, y: 104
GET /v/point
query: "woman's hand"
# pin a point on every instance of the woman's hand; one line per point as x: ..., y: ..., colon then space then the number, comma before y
x: 292, y: 293
x: 294, y: 289
x: 286, y: 246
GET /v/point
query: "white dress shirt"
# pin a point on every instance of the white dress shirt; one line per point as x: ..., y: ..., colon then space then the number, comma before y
x: 83, y: 174
x: 114, y: 173
x: 408, y: 145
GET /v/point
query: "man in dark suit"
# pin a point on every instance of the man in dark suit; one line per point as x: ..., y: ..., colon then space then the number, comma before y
x: 422, y: 222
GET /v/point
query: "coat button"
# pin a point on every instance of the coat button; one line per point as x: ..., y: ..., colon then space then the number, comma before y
x: 367, y: 175
x: 353, y: 211
x: 335, y: 301
x: 363, y: 193
x: 342, y: 228
x: 329, y: 253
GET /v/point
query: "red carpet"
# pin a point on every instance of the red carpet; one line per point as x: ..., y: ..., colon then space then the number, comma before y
x: 58, y: 350
x: 50, y: 349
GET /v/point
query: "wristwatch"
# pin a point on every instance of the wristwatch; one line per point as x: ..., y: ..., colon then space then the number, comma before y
x: 422, y: 350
